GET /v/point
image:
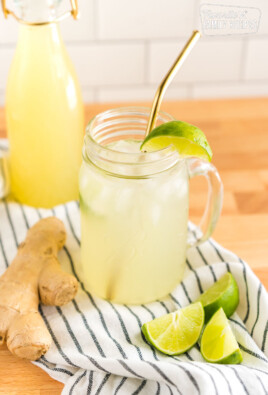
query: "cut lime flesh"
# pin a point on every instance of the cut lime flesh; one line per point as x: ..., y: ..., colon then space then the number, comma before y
x: 218, y: 343
x: 187, y: 139
x: 177, y: 332
x: 224, y: 293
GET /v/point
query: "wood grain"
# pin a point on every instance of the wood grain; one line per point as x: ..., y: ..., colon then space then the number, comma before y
x: 238, y: 133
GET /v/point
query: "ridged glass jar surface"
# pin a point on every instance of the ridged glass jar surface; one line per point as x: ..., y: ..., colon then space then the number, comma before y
x: 134, y: 210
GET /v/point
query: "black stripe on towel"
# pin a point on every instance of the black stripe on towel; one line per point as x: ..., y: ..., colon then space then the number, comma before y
x: 3, y: 252
x: 24, y: 217
x: 196, y: 276
x: 44, y: 359
x: 77, y: 381
x: 120, y: 385
x: 239, y: 324
x: 250, y: 368
x: 92, y: 334
x: 149, y: 311
x: 220, y: 255
x: 102, y: 384
x: 252, y: 353
x: 126, y: 334
x: 188, y: 373
x: 140, y: 388
x: 42, y: 362
x: 203, y: 370
x: 90, y: 382
x: 64, y: 356
x: 142, y: 335
x: 76, y: 343
x: 170, y: 390
x: 175, y: 300
x: 192, y: 363
x: 264, y: 337
x: 185, y: 291
x: 239, y: 379
x: 247, y: 295
x: 223, y: 375
x: 119, y: 347
x: 258, y: 309
x: 162, y: 374
x: 164, y: 306
x: 11, y: 223
x: 129, y: 369
x: 262, y: 385
x: 206, y: 263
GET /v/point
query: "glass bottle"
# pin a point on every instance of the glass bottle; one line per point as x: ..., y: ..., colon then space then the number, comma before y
x: 44, y: 109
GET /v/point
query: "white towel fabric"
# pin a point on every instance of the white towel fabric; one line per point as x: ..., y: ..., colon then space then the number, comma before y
x: 98, y: 347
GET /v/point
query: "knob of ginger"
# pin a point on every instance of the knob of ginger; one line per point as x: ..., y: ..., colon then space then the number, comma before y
x: 34, y: 273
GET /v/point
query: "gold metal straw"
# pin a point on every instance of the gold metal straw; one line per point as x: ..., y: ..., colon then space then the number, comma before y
x: 169, y: 77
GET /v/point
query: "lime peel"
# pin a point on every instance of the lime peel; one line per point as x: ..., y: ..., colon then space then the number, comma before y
x: 177, y: 332
x: 218, y: 343
x: 187, y: 139
x: 224, y: 293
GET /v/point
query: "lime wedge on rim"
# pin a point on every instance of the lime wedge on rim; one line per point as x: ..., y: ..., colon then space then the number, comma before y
x: 218, y: 343
x: 224, y: 293
x: 188, y: 140
x: 176, y: 332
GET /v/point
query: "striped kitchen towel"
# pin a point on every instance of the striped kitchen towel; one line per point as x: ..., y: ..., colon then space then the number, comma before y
x: 98, y: 347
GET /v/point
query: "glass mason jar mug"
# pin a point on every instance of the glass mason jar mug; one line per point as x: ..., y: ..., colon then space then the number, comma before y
x: 134, y: 209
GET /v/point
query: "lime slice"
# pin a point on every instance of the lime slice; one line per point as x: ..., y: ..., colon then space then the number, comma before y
x: 188, y: 140
x: 177, y: 332
x: 218, y: 344
x: 224, y: 293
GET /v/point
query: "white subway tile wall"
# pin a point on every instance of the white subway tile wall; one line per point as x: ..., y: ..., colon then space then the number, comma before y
x: 103, y: 64
x: 213, y: 60
x: 144, y: 19
x: 122, y: 48
x: 256, y: 61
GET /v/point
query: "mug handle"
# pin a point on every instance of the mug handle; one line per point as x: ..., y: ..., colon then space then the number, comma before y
x: 199, y: 167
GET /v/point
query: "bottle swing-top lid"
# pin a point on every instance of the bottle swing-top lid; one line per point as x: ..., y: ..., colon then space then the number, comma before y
x: 39, y: 12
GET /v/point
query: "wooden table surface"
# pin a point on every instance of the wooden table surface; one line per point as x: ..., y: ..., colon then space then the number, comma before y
x: 238, y: 133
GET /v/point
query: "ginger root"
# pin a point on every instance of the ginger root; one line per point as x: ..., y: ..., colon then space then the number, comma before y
x: 34, y: 272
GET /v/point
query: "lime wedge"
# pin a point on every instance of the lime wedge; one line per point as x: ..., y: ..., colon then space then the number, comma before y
x: 224, y: 293
x: 218, y: 344
x: 188, y: 140
x: 177, y: 332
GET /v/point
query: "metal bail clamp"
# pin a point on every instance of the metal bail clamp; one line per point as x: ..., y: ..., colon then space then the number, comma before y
x: 74, y: 12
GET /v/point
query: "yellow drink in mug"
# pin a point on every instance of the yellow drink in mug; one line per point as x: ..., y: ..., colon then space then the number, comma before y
x: 134, y: 209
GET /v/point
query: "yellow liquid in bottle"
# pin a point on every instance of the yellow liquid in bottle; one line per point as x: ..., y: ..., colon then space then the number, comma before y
x: 45, y: 119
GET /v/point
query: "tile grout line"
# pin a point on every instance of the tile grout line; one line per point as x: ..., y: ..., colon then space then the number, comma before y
x: 130, y: 41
